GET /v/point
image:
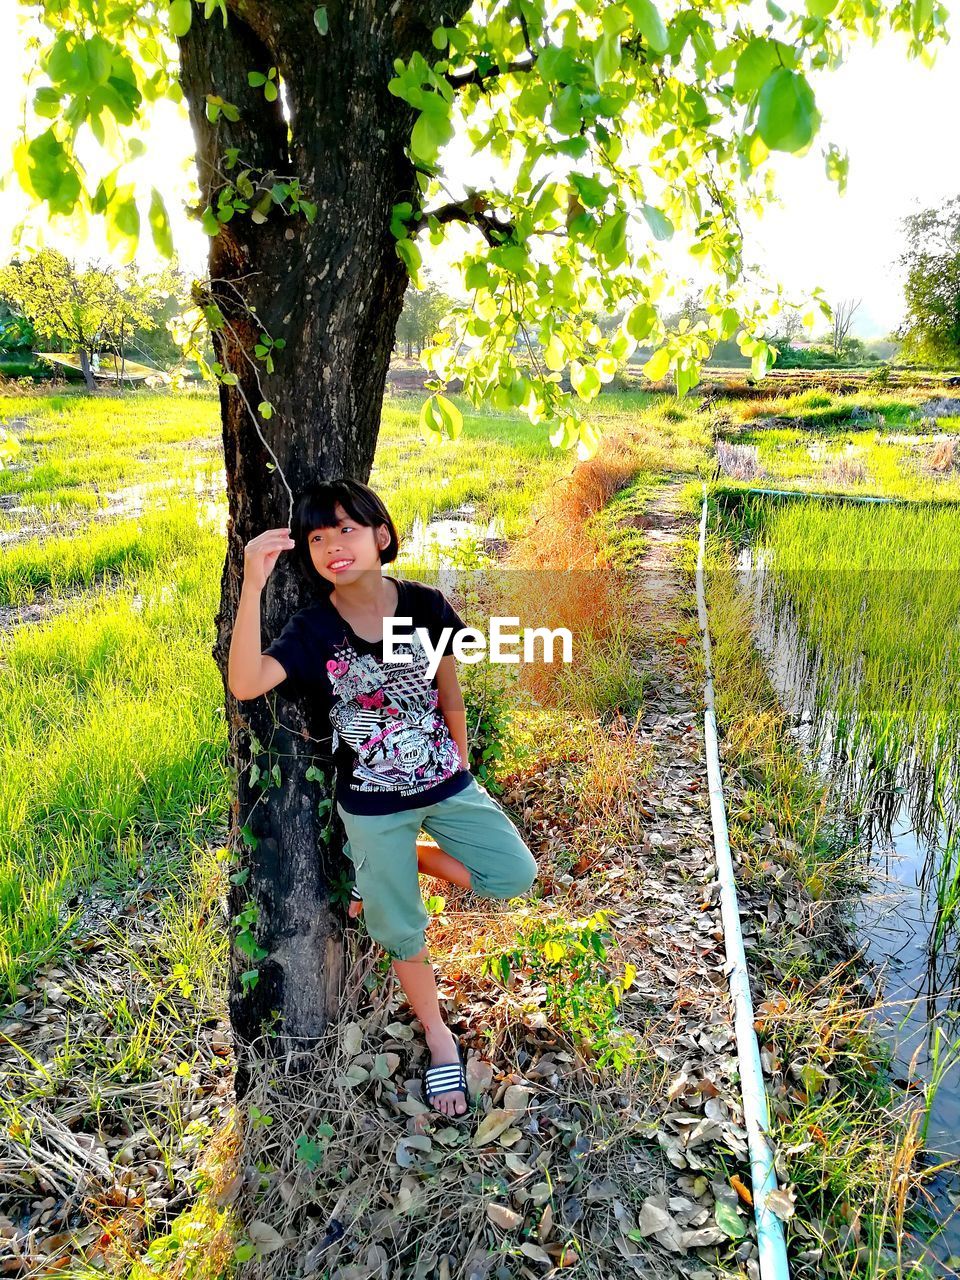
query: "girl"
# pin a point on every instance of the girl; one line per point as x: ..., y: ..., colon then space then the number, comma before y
x: 399, y: 737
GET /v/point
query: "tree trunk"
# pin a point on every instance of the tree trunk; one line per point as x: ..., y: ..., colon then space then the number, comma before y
x: 333, y: 291
x: 86, y: 370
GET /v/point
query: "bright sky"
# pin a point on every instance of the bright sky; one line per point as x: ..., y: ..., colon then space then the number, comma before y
x: 891, y: 114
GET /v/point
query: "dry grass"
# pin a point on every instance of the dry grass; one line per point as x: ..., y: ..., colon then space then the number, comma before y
x: 945, y: 456
x: 344, y: 1170
x: 556, y: 581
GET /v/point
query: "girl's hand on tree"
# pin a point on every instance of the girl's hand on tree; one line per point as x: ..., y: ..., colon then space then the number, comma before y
x: 260, y: 555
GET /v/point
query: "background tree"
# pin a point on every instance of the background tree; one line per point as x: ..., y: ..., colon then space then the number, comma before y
x: 930, y: 332
x: 789, y: 326
x: 62, y: 302
x: 17, y: 334
x: 317, y: 198
x: 137, y: 305
x: 843, y: 314
x: 423, y: 309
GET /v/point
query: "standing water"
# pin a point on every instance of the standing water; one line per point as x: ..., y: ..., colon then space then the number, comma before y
x: 904, y: 817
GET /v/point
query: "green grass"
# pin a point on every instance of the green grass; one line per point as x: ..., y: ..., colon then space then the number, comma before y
x: 75, y: 448
x: 112, y: 744
x: 824, y: 447
x: 116, y: 548
x: 876, y: 592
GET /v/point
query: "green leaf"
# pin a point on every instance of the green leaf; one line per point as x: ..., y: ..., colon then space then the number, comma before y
x: 270, y: 91
x: 788, y: 116
x: 265, y: 409
x: 320, y: 20
x: 410, y: 254
x: 611, y: 239
x: 554, y: 356
x: 592, y: 191
x: 566, y: 435
x: 567, y: 110
x: 123, y: 221
x: 99, y: 54
x: 255, y: 79
x: 658, y: 364
x: 837, y: 165
x: 659, y: 223
x: 433, y: 129
x: 51, y: 173
x: 729, y: 1221
x: 730, y: 322
x: 758, y: 59
x: 160, y: 225
x: 648, y: 22
x: 209, y: 222
x: 821, y: 8
x: 477, y: 276
x: 46, y: 102
x: 450, y: 416
x: 430, y: 419
x: 66, y: 64
x: 640, y: 321
x: 584, y: 379
x: 688, y: 375
x: 606, y: 59
x: 181, y: 14
x: 440, y: 416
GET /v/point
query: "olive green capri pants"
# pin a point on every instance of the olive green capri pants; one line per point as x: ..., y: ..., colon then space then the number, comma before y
x: 470, y: 825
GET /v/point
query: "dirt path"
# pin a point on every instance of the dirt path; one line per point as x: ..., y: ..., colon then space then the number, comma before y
x: 672, y: 903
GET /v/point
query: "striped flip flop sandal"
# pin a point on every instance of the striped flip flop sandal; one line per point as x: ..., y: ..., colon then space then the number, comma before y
x: 447, y: 1077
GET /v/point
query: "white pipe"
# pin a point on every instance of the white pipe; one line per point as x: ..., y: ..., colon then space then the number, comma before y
x: 844, y: 497
x: 771, y: 1243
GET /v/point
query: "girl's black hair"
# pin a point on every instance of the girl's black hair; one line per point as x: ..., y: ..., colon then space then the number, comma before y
x: 315, y: 508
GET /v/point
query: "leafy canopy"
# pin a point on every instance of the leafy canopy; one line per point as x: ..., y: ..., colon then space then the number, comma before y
x: 621, y: 124
x: 97, y: 305
x: 931, y: 259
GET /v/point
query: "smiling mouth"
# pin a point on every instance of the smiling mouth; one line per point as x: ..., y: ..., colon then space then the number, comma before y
x: 336, y: 565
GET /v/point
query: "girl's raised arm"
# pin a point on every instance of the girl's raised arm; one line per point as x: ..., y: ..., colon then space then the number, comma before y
x: 249, y: 671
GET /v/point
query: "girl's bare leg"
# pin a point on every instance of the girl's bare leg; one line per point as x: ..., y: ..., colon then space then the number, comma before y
x: 419, y: 983
x: 431, y: 861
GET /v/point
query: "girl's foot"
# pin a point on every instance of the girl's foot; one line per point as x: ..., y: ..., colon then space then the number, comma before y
x: 443, y: 1049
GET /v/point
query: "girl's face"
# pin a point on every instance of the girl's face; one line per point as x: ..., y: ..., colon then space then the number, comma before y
x: 347, y: 549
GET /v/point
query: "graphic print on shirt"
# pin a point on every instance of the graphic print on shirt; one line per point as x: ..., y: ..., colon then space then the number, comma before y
x: 388, y: 714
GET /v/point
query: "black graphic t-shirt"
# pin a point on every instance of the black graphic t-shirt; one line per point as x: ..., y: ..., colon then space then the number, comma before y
x: 391, y: 744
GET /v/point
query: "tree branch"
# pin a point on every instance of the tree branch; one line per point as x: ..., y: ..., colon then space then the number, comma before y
x: 469, y: 210
x: 459, y: 79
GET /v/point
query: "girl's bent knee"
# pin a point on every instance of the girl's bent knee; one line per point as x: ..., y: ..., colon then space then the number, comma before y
x: 516, y: 885
x: 407, y: 948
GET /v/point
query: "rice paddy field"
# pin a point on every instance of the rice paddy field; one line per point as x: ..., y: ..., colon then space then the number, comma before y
x: 112, y: 743
x: 855, y: 606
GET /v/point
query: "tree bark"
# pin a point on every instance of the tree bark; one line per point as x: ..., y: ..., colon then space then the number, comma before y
x: 86, y: 370
x: 333, y: 291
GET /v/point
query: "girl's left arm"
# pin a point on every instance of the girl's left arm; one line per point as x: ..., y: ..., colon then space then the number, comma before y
x: 451, y: 704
